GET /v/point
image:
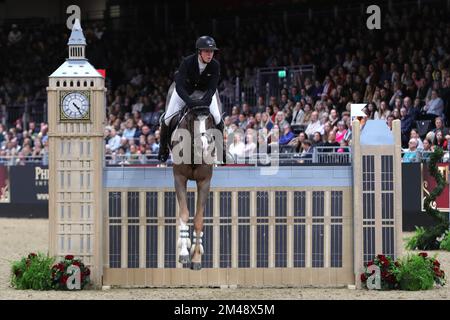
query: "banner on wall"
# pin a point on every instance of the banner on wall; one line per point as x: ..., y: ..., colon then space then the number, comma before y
x: 428, y: 184
x: 29, y: 184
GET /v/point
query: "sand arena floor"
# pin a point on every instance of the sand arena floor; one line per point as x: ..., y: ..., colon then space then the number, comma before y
x: 18, y: 237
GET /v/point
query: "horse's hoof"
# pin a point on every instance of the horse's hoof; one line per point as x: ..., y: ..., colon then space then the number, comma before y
x: 184, y: 259
x: 196, y: 266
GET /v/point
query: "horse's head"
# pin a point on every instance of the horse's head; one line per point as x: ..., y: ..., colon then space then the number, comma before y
x: 195, y: 135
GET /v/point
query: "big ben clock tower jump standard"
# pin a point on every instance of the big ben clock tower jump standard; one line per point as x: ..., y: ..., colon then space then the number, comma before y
x: 76, y: 115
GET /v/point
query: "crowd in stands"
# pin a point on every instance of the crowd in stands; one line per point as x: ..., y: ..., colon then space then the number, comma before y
x: 401, y: 72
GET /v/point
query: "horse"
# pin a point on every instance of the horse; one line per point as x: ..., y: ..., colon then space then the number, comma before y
x: 194, y: 143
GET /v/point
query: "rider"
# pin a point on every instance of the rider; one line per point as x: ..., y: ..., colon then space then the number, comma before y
x: 197, y: 72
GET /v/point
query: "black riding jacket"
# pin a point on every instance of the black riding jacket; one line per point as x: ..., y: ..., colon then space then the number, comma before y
x: 188, y: 79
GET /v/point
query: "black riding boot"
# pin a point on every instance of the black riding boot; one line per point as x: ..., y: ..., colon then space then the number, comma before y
x: 220, y: 126
x: 164, y: 133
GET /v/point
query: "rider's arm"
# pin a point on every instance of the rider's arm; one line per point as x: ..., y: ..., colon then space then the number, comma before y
x: 180, y: 81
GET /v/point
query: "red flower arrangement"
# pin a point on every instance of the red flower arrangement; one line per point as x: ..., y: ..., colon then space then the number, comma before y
x: 60, y: 273
x: 439, y: 274
x: 389, y: 270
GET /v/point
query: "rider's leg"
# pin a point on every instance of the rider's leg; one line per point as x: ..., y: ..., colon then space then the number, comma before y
x: 175, y: 105
x: 214, y: 109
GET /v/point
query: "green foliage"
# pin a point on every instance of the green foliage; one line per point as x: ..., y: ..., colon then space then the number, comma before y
x: 445, y: 243
x: 419, y: 272
x: 428, y: 240
x: 412, y: 243
x: 32, y: 272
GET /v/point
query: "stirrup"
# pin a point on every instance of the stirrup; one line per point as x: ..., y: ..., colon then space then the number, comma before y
x: 194, y: 243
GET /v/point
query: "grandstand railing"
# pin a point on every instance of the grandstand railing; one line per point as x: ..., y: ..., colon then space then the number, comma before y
x: 318, y: 156
x: 421, y: 156
x: 23, y: 160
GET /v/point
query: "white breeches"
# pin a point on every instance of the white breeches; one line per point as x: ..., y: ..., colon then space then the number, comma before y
x: 176, y: 104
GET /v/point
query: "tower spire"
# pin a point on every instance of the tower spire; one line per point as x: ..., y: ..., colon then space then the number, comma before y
x: 77, y: 42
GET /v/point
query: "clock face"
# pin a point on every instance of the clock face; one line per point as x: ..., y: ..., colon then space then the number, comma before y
x: 75, y: 106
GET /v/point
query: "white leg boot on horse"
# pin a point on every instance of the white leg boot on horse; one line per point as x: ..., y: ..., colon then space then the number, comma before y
x: 184, y: 243
x: 196, y: 251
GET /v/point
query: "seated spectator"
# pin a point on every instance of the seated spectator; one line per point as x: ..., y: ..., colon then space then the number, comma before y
x: 383, y: 112
x: 315, y: 125
x: 341, y: 131
x: 15, y: 35
x: 130, y: 129
x: 266, y: 121
x: 343, y: 146
x: 298, y: 115
x: 250, y: 146
x: 317, y: 139
x: 415, y: 135
x: 258, y: 121
x: 439, y: 140
x: 307, y: 152
x: 428, y: 148
x: 406, y: 125
x: 439, y: 125
x: 331, y: 142
x: 307, y: 109
x: 242, y: 123
x: 297, y: 142
x: 410, y: 154
x: 287, y: 136
x: 153, y: 146
x: 237, y: 148
x: 113, y: 140
x: 280, y: 119
x: 435, y: 106
x: 333, y: 118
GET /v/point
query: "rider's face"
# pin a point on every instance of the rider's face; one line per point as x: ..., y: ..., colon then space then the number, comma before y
x: 207, y: 55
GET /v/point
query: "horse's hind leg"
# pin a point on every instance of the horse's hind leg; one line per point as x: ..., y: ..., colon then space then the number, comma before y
x: 197, y: 247
x: 184, y: 241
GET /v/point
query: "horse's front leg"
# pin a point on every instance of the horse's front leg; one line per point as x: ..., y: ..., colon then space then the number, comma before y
x: 184, y: 241
x: 197, y: 247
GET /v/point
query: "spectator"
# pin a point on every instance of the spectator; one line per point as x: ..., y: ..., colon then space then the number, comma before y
x: 14, y: 35
x: 439, y: 140
x: 415, y: 135
x: 410, y: 154
x: 435, y: 106
x: 113, y: 140
x: 308, y: 112
x: 298, y: 115
x: 237, y: 148
x: 406, y: 125
x: 287, y: 135
x: 153, y: 146
x: 250, y: 146
x: 383, y: 112
x: 314, y: 125
x: 341, y: 131
x: 317, y: 139
x: 307, y: 152
x: 428, y: 148
x: 130, y: 130
x: 266, y: 121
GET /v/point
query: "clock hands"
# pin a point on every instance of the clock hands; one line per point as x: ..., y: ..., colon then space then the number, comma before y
x: 77, y: 108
